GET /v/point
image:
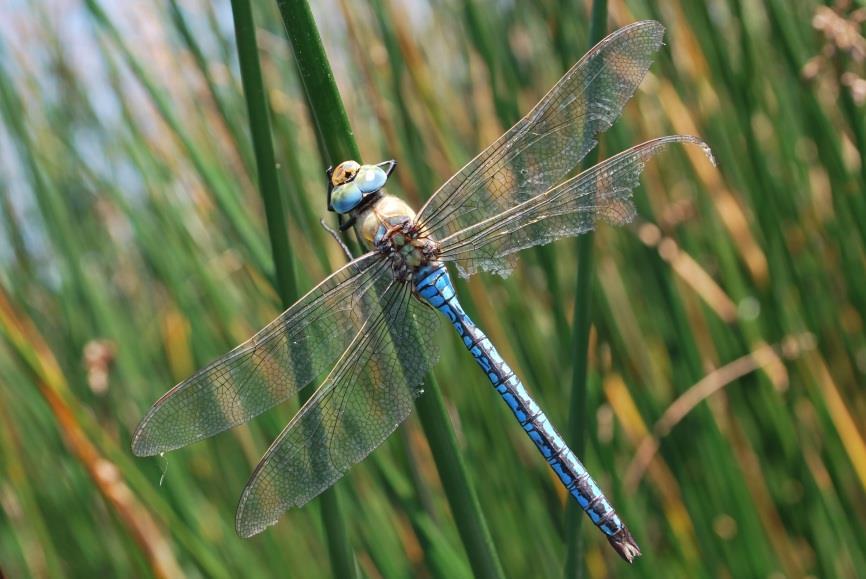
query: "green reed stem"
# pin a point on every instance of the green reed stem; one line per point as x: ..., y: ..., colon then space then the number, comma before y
x: 332, y: 124
x: 266, y: 164
x: 462, y: 497
x: 577, y: 413
x: 336, y: 135
x: 323, y: 98
x: 326, y: 105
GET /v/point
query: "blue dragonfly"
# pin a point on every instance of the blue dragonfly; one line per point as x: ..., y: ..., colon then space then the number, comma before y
x: 369, y: 327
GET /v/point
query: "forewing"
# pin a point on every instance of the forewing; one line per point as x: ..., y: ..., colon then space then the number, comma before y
x: 603, y: 192
x: 550, y: 141
x: 367, y: 395
x: 301, y: 344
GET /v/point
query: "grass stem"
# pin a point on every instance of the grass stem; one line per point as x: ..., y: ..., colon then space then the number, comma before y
x: 461, y: 494
x: 266, y: 163
x: 577, y: 412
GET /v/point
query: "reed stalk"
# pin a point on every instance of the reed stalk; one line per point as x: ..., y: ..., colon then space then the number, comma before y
x: 577, y: 430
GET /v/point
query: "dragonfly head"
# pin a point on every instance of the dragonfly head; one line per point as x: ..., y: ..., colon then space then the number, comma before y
x: 350, y: 183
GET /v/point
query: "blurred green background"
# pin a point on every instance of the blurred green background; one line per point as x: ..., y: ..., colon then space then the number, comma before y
x: 727, y: 351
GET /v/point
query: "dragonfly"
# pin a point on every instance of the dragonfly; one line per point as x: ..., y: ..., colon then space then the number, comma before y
x: 369, y: 327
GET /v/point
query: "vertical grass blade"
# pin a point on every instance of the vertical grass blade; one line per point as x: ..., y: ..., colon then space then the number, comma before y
x: 266, y: 164
x: 339, y: 143
x: 326, y: 106
x: 461, y: 494
x: 577, y: 412
x: 323, y: 98
x: 339, y: 547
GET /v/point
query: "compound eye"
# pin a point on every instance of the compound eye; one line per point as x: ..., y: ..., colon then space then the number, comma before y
x: 344, y: 173
x: 370, y: 178
x: 345, y: 197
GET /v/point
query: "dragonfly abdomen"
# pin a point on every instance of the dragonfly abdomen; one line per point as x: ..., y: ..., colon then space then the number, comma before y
x: 434, y: 285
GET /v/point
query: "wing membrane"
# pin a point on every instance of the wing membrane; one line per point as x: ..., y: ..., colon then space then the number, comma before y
x: 366, y: 396
x: 602, y: 192
x: 299, y: 345
x: 550, y: 141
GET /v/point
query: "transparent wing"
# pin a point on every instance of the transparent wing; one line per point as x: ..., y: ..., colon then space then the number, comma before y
x: 365, y: 397
x: 602, y: 192
x: 301, y: 344
x: 550, y: 141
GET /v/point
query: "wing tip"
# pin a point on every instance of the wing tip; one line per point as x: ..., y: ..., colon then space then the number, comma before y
x: 139, y: 445
x: 691, y: 139
x: 144, y: 443
x: 143, y: 448
x: 653, y: 145
x: 641, y: 29
x: 249, y: 529
x: 250, y: 522
x: 654, y: 27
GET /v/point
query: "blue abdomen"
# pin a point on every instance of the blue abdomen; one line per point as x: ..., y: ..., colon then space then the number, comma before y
x: 433, y: 284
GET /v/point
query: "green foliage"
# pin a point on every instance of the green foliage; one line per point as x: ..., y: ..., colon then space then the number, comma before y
x: 726, y: 322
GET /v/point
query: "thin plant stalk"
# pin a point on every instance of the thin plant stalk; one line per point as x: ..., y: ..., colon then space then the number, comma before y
x: 336, y: 135
x: 333, y: 130
x: 266, y: 164
x: 577, y: 427
x: 461, y: 494
x: 339, y: 548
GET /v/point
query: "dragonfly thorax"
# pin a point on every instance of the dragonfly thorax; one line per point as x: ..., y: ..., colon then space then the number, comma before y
x: 406, y: 250
x: 389, y: 228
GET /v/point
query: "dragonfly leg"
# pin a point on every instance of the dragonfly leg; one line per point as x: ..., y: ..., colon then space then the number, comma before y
x: 337, y: 238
